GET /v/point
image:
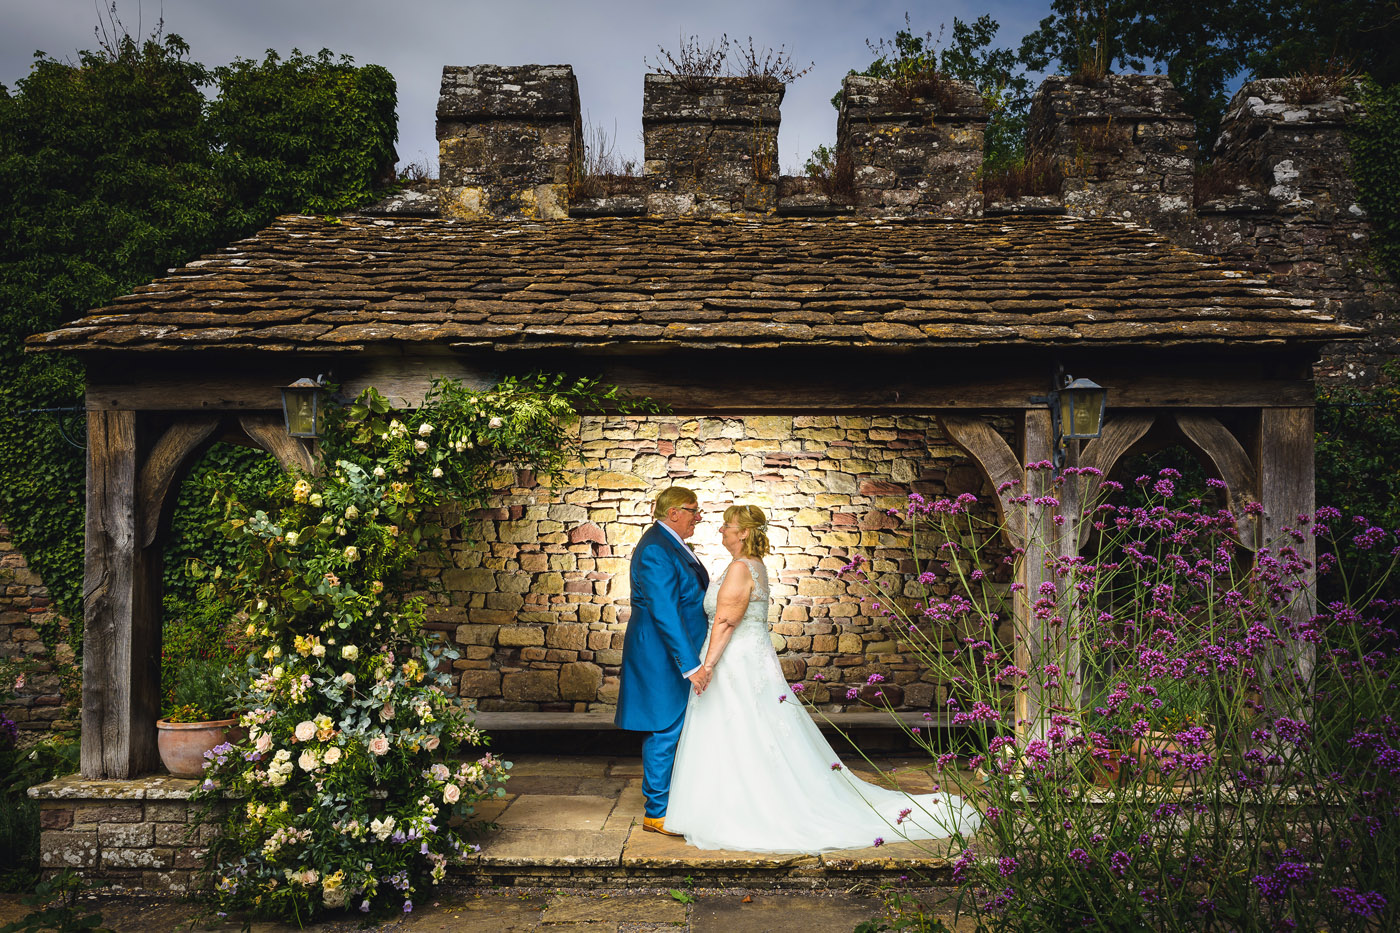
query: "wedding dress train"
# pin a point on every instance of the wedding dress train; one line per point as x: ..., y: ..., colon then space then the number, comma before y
x: 753, y: 772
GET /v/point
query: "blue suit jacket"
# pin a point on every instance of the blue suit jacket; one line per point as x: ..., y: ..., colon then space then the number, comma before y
x: 664, y: 633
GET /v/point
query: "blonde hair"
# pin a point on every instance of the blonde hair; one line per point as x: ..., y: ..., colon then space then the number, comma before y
x: 751, y: 519
x: 672, y: 497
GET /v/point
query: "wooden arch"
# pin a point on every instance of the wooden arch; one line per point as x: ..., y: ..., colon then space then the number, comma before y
x: 130, y: 486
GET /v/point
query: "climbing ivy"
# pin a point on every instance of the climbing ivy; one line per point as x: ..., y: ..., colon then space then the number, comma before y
x: 1375, y: 152
x: 115, y: 167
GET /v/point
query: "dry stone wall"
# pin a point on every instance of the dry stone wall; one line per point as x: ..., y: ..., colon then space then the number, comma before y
x: 537, y: 599
x: 25, y: 607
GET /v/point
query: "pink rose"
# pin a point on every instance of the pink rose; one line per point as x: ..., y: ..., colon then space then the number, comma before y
x: 451, y: 793
x: 379, y: 745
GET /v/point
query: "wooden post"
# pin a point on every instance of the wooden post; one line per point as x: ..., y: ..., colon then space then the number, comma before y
x: 1037, y: 444
x: 1286, y: 490
x: 121, y: 611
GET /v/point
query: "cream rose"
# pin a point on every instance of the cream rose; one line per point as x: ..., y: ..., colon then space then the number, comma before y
x: 305, y: 731
x: 451, y: 793
x: 425, y: 429
x: 332, y: 755
x: 349, y: 652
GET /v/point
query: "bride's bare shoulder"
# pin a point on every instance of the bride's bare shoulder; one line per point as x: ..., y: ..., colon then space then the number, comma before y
x: 739, y: 571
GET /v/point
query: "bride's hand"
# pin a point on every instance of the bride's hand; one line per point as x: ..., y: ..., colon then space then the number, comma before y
x: 700, y: 679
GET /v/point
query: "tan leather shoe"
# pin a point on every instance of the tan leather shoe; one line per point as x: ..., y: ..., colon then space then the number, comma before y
x: 656, y: 824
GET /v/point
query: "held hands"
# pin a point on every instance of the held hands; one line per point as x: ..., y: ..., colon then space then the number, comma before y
x: 701, y: 679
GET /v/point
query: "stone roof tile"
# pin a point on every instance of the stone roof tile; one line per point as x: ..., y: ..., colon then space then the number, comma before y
x: 305, y: 283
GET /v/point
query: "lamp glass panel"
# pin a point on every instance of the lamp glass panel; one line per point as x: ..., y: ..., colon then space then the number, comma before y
x: 1081, y: 412
x: 300, y: 406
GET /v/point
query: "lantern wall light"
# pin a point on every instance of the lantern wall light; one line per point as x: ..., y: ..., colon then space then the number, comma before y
x: 1076, y: 411
x: 301, y: 407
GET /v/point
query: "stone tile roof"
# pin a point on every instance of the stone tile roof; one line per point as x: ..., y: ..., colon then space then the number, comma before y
x: 308, y: 283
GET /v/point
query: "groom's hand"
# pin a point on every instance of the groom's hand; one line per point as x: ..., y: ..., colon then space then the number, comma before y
x: 699, y: 680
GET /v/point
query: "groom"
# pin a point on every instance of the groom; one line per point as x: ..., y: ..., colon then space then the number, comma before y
x: 661, y: 652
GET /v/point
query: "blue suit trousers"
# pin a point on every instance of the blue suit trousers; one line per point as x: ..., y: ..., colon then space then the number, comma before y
x: 658, y: 758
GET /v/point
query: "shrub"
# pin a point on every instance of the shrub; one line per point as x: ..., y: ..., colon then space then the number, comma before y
x: 1250, y: 736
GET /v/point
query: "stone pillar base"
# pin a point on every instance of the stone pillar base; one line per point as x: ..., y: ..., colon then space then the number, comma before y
x: 138, y: 836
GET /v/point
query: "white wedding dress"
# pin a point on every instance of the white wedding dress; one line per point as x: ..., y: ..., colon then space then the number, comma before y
x: 753, y: 772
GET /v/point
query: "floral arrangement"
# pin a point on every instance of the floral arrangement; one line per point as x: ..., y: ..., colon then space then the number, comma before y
x: 1254, y: 737
x: 349, y: 790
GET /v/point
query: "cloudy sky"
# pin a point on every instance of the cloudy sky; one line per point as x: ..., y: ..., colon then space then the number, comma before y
x: 606, y: 41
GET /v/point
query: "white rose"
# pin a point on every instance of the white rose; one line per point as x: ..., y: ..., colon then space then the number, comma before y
x: 352, y: 553
x: 425, y: 429
x: 348, y: 678
x: 264, y: 743
x: 437, y: 472
x: 292, y: 538
x: 451, y: 793
x: 332, y: 754
x: 379, y: 472
x: 318, y: 651
x: 421, y: 446
x: 308, y: 761
x: 379, y: 745
x: 495, y: 422
x: 306, y: 731
x: 349, y: 652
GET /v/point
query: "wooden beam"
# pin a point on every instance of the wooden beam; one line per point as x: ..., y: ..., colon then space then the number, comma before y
x: 270, y: 433
x: 681, y: 384
x: 1120, y: 433
x: 1286, y: 491
x: 1231, y: 463
x: 163, y: 465
x: 121, y: 618
x: 999, y: 464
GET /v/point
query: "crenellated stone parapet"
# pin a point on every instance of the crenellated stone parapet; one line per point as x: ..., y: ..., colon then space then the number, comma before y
x: 711, y: 144
x: 1124, y: 145
x: 510, y: 141
x: 914, y: 151
x: 1288, y: 205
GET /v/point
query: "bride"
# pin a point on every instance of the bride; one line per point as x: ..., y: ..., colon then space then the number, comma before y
x: 752, y: 770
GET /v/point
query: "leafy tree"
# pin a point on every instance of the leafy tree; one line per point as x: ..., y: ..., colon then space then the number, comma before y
x: 1203, y: 46
x: 117, y: 167
x: 970, y: 56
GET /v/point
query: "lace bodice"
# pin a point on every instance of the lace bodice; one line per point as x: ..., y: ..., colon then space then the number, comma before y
x: 758, y: 599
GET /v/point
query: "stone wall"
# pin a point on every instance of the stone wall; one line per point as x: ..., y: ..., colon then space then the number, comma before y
x: 510, y: 141
x: 913, y: 151
x: 538, y: 603
x: 711, y: 147
x: 25, y: 607
x: 1291, y: 209
x: 1126, y: 149
x: 139, y: 835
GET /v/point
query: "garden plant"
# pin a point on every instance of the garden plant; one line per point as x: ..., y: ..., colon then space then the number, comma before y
x: 1207, y: 747
x: 356, y: 782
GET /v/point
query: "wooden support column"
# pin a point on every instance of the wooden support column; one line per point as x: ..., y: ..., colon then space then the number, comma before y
x: 121, y: 611
x: 1286, y: 490
x: 1034, y: 641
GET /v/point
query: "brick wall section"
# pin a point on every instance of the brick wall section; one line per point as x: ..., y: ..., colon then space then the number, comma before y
x: 136, y: 835
x: 25, y: 605
x: 538, y: 605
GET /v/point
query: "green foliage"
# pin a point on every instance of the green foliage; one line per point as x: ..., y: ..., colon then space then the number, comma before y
x: 201, y: 649
x: 310, y: 133
x: 189, y: 546
x: 20, y: 769
x: 56, y: 909
x: 114, y: 168
x: 345, y: 791
x: 1204, y: 46
x: 1375, y: 151
x: 915, y: 63
x: 1358, y: 433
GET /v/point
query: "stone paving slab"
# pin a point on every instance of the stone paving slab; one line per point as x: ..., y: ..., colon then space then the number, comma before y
x: 653, y: 850
x: 576, y: 813
x: 780, y: 913
x: 550, y: 848
x: 625, y: 908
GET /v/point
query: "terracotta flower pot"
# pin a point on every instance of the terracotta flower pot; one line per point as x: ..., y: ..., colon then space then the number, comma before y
x: 1156, y: 748
x: 182, y: 744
